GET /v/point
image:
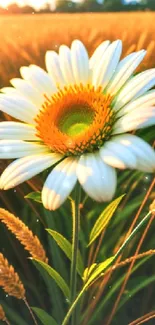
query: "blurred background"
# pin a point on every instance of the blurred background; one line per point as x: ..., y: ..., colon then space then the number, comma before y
x: 54, y: 6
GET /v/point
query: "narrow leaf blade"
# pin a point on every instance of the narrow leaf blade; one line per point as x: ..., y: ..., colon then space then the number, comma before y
x: 104, y: 219
x: 99, y: 269
x: 66, y: 247
x: 44, y: 317
x: 55, y: 276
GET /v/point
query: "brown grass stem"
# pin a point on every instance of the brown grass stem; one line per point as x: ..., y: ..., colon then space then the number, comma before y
x: 30, y: 311
x: 122, y: 264
x: 143, y: 319
x: 136, y: 252
x: 110, y: 271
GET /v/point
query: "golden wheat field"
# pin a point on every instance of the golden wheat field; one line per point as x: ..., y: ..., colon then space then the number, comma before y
x: 26, y: 38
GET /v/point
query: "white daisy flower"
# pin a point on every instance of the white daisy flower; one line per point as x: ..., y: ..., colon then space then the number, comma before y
x: 77, y: 116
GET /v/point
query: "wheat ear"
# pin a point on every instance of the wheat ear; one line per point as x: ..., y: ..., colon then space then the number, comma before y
x: 3, y: 316
x: 30, y: 242
x: 9, y: 279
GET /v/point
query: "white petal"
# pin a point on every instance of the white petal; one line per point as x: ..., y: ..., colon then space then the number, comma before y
x: 59, y: 184
x: 98, y: 53
x: 10, y: 91
x: 97, y: 178
x: 135, y: 88
x: 18, y: 131
x: 143, y: 152
x: 137, y: 119
x: 144, y: 101
x: 117, y: 155
x: 124, y: 70
x: 66, y: 64
x: 53, y: 67
x: 80, y: 62
x: 25, y: 168
x: 39, y: 79
x: 107, y: 65
x: 17, y: 148
x: 25, y: 89
x: 18, y: 107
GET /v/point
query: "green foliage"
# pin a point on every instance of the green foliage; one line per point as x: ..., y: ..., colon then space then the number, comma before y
x: 66, y: 247
x: 98, y: 271
x: 13, y: 315
x: 150, y: 4
x: 55, y: 276
x: 144, y: 282
x: 104, y: 219
x: 65, y: 6
x: 44, y: 317
x: 133, y: 233
x: 59, y: 224
x: 35, y: 196
x: 88, y: 271
x: 70, y: 6
x: 109, y: 296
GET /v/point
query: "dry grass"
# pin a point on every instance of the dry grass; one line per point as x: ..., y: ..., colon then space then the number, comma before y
x: 2, y: 314
x: 9, y: 280
x: 30, y: 242
x: 25, y: 39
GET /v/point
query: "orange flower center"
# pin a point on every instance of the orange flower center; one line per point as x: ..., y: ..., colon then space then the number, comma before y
x: 75, y: 120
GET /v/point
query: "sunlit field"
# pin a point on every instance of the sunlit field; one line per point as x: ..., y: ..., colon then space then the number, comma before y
x: 25, y: 38
x: 124, y: 293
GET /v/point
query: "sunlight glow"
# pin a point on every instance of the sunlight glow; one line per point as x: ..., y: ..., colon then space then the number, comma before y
x: 37, y: 4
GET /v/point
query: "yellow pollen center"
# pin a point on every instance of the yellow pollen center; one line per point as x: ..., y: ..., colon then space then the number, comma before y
x: 75, y: 120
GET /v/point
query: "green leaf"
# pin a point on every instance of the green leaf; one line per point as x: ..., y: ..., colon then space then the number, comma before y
x: 91, y: 279
x: 108, y: 297
x: 136, y: 288
x: 13, y: 315
x: 44, y: 317
x: 66, y: 246
x: 55, y: 275
x: 99, y: 270
x: 104, y: 219
x: 35, y: 196
x: 88, y: 271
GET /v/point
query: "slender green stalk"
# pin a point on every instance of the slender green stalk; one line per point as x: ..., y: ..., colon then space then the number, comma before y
x: 132, y: 234
x: 73, y: 306
x: 75, y: 242
x: 87, y: 285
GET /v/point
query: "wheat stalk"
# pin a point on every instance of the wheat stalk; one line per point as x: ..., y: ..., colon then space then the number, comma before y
x: 24, y: 235
x: 152, y: 206
x: 9, y: 279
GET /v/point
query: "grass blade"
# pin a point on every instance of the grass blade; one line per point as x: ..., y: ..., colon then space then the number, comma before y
x: 66, y: 246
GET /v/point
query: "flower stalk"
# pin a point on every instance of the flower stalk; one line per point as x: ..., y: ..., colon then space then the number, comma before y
x: 75, y: 242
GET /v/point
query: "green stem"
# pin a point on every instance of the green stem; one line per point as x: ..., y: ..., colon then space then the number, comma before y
x: 75, y: 242
x: 87, y: 285
x: 132, y: 234
x: 73, y: 306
